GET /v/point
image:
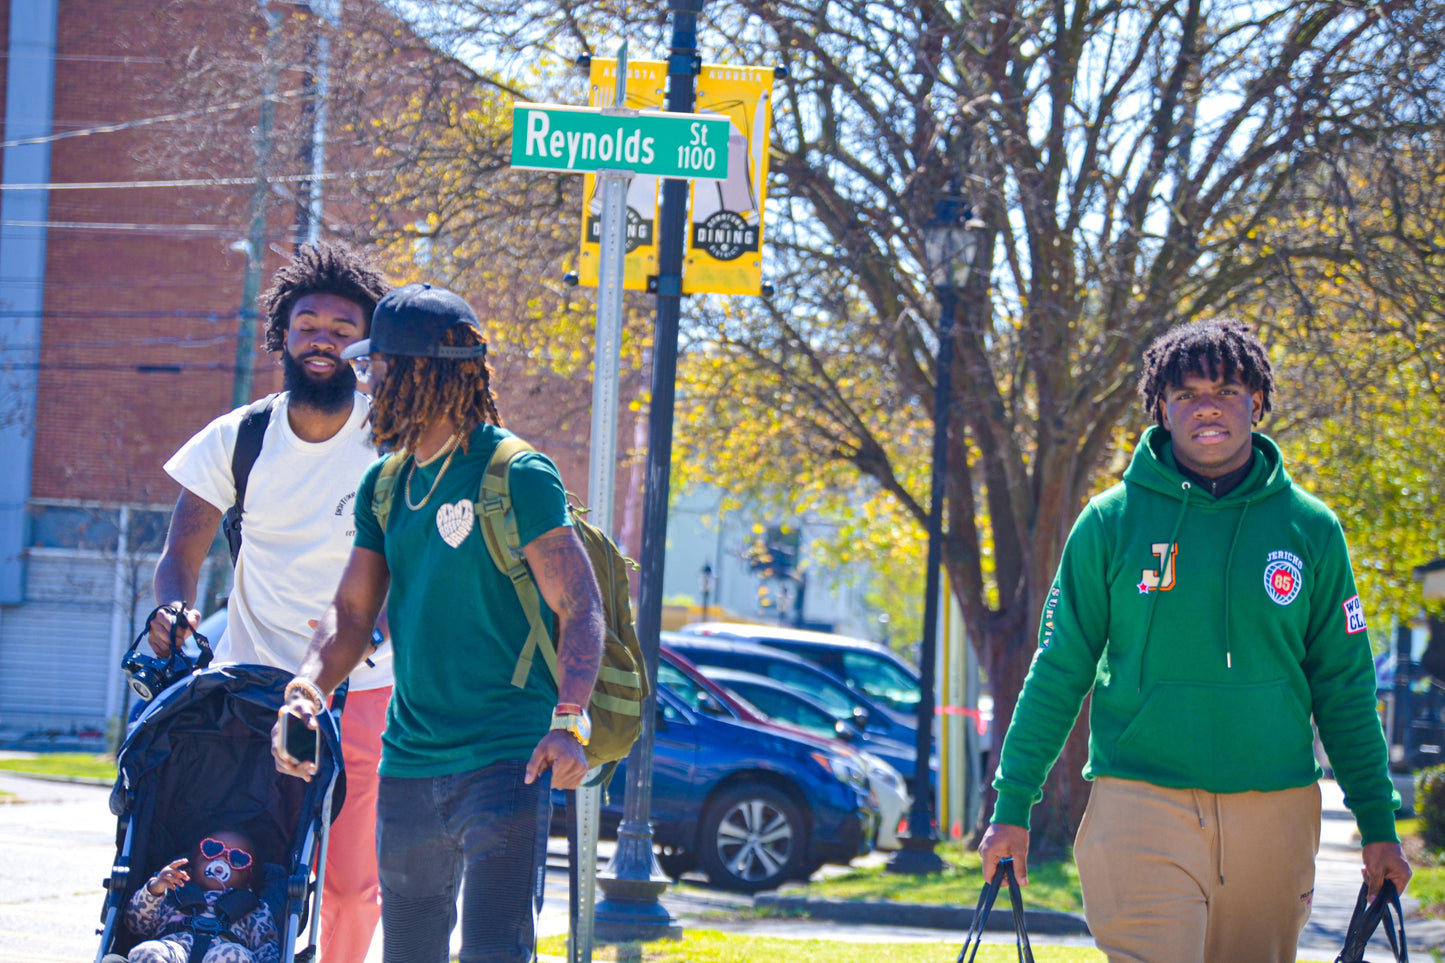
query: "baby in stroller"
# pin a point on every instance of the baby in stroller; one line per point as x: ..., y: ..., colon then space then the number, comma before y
x: 196, y: 776
x: 173, y: 912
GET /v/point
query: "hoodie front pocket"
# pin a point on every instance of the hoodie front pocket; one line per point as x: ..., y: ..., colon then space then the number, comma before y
x: 1224, y: 738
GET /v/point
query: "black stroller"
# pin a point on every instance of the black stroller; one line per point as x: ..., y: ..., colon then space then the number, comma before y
x: 200, y: 757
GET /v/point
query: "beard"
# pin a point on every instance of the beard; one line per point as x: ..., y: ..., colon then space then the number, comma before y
x: 330, y: 395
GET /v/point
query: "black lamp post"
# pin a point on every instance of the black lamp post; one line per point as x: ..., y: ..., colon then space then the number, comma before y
x: 633, y: 882
x: 951, y: 243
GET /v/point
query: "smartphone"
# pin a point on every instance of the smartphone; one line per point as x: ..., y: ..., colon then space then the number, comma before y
x: 299, y: 740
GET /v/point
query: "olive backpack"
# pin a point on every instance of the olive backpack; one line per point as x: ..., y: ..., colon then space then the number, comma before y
x: 616, y: 706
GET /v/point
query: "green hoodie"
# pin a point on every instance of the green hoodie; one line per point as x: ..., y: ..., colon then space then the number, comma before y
x: 1210, y: 631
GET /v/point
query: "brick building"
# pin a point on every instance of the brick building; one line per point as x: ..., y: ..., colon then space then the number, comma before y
x: 120, y: 307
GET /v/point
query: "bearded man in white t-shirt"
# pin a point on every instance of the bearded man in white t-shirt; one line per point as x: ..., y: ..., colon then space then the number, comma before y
x: 297, y: 535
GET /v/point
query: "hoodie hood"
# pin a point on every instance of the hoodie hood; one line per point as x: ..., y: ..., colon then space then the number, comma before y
x: 1153, y: 467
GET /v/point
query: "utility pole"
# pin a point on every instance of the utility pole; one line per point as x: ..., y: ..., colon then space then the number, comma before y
x: 309, y: 198
x: 633, y: 882
x: 255, y: 243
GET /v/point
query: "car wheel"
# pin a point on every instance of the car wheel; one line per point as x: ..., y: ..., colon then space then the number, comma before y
x: 753, y: 838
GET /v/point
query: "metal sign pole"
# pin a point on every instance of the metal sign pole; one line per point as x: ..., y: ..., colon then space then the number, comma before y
x: 602, y: 474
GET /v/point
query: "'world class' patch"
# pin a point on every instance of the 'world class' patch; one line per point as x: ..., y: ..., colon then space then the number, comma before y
x: 1354, y: 615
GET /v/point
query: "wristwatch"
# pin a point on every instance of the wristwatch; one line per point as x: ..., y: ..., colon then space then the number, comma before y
x: 574, y: 719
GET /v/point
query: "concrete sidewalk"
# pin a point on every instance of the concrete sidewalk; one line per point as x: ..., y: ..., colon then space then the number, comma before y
x: 58, y: 839
x: 1337, y: 886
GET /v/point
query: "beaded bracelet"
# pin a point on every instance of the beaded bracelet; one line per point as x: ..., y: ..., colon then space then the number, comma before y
x: 313, y: 691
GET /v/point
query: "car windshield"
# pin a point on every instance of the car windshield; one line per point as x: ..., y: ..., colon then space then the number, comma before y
x: 882, y: 681
x: 693, y: 695
x: 835, y: 697
x: 784, y: 708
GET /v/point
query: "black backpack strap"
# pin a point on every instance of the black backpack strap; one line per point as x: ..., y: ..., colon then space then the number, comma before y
x: 243, y: 457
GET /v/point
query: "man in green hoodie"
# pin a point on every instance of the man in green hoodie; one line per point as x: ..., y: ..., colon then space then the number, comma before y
x: 1209, y: 605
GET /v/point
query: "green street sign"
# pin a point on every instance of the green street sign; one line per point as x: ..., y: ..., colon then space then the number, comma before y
x: 551, y: 137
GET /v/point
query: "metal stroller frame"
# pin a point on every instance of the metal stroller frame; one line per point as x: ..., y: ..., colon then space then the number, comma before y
x: 199, y: 756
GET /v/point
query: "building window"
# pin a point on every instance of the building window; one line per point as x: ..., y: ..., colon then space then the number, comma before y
x: 97, y: 529
x: 63, y: 526
x: 147, y: 530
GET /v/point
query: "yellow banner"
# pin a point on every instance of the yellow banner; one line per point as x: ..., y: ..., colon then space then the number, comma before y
x: 646, y: 80
x: 725, y: 229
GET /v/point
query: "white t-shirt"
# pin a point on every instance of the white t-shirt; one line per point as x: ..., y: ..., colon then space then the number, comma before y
x: 296, y: 532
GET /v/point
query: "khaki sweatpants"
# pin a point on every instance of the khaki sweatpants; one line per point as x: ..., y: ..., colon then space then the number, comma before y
x: 1188, y: 876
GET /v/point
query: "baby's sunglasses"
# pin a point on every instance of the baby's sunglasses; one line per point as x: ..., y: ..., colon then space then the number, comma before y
x: 215, y: 849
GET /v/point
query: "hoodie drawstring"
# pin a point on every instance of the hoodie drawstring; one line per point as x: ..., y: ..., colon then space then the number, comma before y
x: 1228, y: 561
x: 1219, y: 837
x: 1195, y: 795
x: 1168, y: 555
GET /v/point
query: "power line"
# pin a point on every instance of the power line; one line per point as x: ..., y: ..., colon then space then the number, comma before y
x: 161, y: 368
x: 217, y: 229
x: 76, y: 315
x: 167, y: 342
x: 147, y: 121
x: 192, y: 182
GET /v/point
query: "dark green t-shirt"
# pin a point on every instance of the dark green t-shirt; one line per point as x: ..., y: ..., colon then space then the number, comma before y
x: 456, y: 624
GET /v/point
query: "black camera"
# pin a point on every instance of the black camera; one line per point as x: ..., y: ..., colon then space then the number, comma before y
x: 149, y: 674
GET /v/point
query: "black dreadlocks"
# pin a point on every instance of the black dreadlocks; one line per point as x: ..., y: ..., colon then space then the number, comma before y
x: 326, y: 267
x: 1214, y: 348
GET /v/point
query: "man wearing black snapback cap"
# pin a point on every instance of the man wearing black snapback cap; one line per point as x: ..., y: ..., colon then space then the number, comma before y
x: 467, y: 753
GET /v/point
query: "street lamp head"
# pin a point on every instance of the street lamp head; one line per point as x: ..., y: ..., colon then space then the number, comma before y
x: 951, y: 241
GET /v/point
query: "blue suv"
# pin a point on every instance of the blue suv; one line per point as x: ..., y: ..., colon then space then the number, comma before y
x: 882, y: 733
x: 751, y: 805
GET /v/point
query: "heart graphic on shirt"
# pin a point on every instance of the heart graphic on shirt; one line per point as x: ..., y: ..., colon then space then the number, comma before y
x: 455, y: 522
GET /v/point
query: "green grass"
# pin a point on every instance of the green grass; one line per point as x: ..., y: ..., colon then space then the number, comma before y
x: 1053, y: 886
x: 1428, y: 882
x: 711, y: 946
x: 100, y: 765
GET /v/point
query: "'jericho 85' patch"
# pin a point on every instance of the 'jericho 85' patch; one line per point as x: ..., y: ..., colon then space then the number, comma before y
x: 1354, y: 615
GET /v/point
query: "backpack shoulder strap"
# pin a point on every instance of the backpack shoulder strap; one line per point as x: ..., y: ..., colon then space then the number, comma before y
x: 248, y: 446
x: 385, y: 489
x: 499, y: 531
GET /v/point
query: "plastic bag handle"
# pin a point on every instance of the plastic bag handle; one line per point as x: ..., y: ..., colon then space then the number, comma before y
x: 986, y: 899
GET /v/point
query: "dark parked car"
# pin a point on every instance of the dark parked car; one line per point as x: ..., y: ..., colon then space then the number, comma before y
x: 785, y: 704
x: 872, y: 669
x: 750, y: 804
x: 881, y: 732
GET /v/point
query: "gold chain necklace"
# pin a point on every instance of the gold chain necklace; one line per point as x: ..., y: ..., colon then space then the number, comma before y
x: 406, y: 491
